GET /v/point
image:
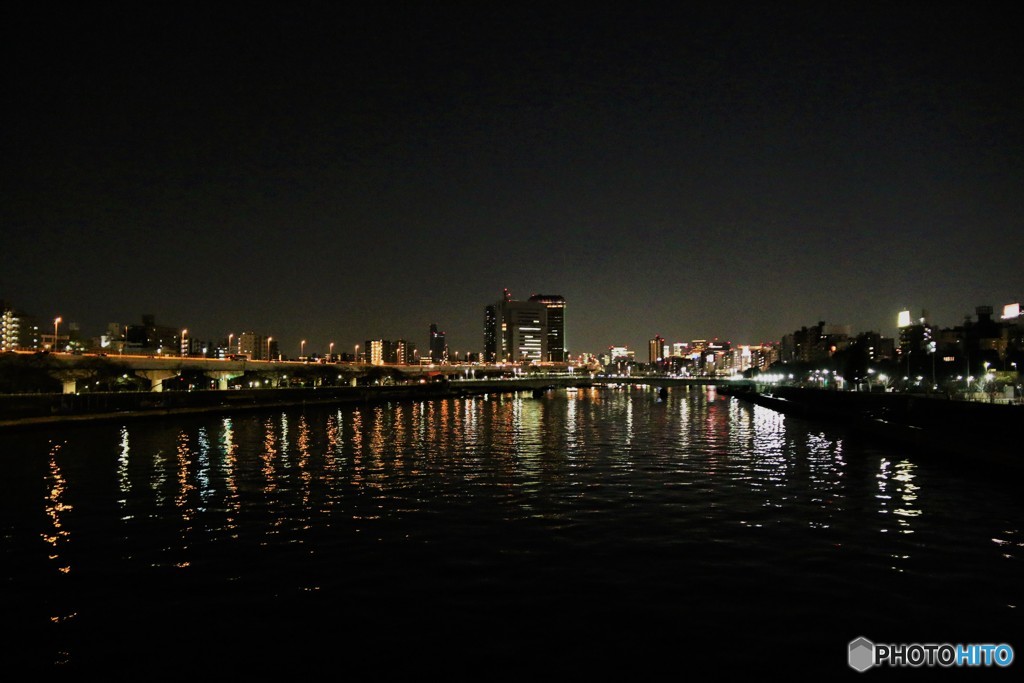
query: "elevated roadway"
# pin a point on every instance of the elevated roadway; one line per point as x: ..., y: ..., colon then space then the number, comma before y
x: 71, y: 368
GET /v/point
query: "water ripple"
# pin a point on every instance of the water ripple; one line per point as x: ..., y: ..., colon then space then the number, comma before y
x: 601, y: 503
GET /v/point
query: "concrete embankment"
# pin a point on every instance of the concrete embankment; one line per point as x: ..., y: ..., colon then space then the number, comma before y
x: 986, y: 432
x: 31, y: 410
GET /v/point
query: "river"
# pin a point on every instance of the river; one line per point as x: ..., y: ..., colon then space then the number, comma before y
x: 595, y: 530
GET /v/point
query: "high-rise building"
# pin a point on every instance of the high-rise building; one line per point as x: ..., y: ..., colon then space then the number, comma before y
x: 918, y: 336
x: 555, y: 303
x: 620, y: 353
x: 518, y: 330
x: 526, y: 325
x: 10, y: 328
x: 491, y: 334
x: 655, y: 349
x: 399, y: 351
x: 249, y: 346
x: 389, y: 352
x: 374, y: 351
x: 532, y: 330
x: 30, y: 334
x: 438, y: 347
x: 816, y: 343
x: 150, y: 337
x: 716, y: 359
x: 257, y: 346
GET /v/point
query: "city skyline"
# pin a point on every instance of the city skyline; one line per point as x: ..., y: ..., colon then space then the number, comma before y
x: 337, y: 176
x: 339, y: 345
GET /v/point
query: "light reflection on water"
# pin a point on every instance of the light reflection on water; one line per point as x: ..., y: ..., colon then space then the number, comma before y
x: 611, y: 497
x: 56, y: 535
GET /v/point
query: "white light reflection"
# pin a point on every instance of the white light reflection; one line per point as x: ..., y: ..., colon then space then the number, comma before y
x: 883, y: 496
x: 124, y: 484
x: 822, y: 453
x: 531, y: 429
x: 268, y: 456
x: 159, y: 479
x: 629, y: 419
x: 738, y: 418
x: 229, y: 460
x: 203, y: 473
x: 420, y: 424
x: 470, y: 422
x: 897, y: 481
x: 684, y: 421
x: 285, y: 450
x: 768, y: 451
x: 900, y: 478
x: 528, y: 451
x: 400, y: 438
x: 904, y: 475
x: 1006, y: 546
x: 570, y: 422
x: 517, y: 424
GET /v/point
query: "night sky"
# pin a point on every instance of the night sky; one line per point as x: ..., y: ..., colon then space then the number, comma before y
x: 341, y: 172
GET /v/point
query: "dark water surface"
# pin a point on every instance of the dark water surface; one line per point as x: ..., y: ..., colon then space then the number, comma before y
x: 591, y: 531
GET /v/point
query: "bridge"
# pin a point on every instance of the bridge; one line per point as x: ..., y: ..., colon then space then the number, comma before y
x: 540, y: 383
x: 464, y: 377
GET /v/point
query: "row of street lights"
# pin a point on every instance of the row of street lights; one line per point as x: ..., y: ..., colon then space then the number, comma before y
x: 302, y: 345
x: 185, y: 351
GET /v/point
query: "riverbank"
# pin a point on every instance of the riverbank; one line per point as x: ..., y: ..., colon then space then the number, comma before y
x: 26, y: 411
x: 20, y: 411
x: 987, y: 432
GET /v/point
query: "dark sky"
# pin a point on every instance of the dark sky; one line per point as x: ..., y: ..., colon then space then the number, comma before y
x: 339, y: 172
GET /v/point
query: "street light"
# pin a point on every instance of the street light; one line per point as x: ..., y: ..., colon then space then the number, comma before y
x: 330, y: 354
x: 269, y: 339
x: 302, y: 345
x: 356, y: 359
x: 230, y: 337
x: 56, y: 321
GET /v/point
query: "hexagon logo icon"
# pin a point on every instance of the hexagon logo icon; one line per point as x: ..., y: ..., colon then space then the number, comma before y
x: 862, y: 654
